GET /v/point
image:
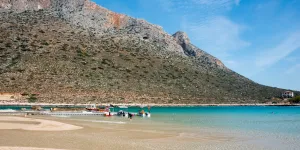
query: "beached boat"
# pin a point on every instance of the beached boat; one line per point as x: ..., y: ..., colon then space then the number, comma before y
x: 92, y: 107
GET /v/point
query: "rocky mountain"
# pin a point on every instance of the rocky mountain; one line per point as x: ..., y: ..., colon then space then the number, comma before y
x: 77, y: 51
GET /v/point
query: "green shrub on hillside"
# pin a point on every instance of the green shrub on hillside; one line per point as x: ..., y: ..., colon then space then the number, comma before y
x: 295, y: 99
x: 32, y: 98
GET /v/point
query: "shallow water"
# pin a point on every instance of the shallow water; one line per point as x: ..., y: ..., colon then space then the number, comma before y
x: 273, y: 119
x: 267, y: 127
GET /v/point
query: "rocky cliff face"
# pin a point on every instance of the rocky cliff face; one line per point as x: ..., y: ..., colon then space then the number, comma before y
x: 74, y: 51
x: 191, y: 50
x: 102, y: 22
x: 22, y: 5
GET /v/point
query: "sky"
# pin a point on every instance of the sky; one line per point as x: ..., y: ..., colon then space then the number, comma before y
x: 259, y: 39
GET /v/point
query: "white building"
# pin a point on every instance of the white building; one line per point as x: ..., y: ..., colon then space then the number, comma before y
x: 288, y: 94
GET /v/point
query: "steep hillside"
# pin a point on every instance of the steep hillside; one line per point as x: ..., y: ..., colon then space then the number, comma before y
x: 75, y: 51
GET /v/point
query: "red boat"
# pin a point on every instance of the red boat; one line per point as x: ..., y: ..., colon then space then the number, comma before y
x: 94, y: 108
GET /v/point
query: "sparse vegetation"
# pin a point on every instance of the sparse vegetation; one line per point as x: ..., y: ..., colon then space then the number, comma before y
x: 32, y: 98
x: 75, y: 69
x: 295, y: 99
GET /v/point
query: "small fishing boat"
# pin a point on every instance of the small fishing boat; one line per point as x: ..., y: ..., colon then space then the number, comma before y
x: 122, y: 113
x: 142, y: 113
x: 92, y: 107
x: 108, y: 114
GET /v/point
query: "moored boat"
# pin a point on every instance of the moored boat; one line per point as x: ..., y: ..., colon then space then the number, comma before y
x: 123, y: 107
x: 93, y: 107
x: 142, y: 113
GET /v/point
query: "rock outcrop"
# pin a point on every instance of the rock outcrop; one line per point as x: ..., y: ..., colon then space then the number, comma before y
x: 102, y: 22
x: 191, y: 50
x: 22, y: 5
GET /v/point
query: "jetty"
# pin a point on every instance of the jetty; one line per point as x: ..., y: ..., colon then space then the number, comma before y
x: 63, y: 113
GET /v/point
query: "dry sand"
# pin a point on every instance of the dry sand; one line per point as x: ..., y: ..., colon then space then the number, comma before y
x: 26, y: 148
x: 34, y: 124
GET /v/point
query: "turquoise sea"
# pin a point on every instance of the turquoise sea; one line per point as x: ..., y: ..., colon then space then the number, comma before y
x: 278, y: 126
x: 281, y: 119
x: 273, y: 119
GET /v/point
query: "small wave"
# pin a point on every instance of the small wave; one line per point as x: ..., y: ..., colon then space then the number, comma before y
x: 7, y: 110
x: 61, y: 116
x: 185, y: 134
x: 113, y: 122
x: 101, y: 121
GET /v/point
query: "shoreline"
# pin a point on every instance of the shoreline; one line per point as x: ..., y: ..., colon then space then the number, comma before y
x: 145, y: 105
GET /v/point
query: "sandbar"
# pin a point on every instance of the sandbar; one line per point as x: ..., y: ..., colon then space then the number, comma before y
x: 31, y: 124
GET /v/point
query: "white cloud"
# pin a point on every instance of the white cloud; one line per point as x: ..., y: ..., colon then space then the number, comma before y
x: 218, y: 35
x: 217, y: 3
x: 166, y: 5
x: 292, y: 59
x: 281, y: 51
x: 293, y: 69
x: 213, y: 2
x: 190, y: 7
x: 231, y: 63
x: 205, y: 25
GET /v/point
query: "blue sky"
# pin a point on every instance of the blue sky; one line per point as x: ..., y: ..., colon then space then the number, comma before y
x: 259, y: 39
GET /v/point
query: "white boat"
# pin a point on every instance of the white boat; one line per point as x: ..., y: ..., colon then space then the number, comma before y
x: 142, y: 113
x: 148, y: 114
x: 124, y: 107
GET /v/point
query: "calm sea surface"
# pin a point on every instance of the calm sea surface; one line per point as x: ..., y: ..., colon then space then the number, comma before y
x: 275, y: 119
x: 268, y: 119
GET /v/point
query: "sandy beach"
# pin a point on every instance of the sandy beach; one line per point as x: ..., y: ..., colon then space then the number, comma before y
x: 26, y: 148
x: 32, y: 124
x: 49, y: 132
x: 46, y: 132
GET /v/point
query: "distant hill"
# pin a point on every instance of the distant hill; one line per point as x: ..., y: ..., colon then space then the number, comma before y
x: 75, y: 51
